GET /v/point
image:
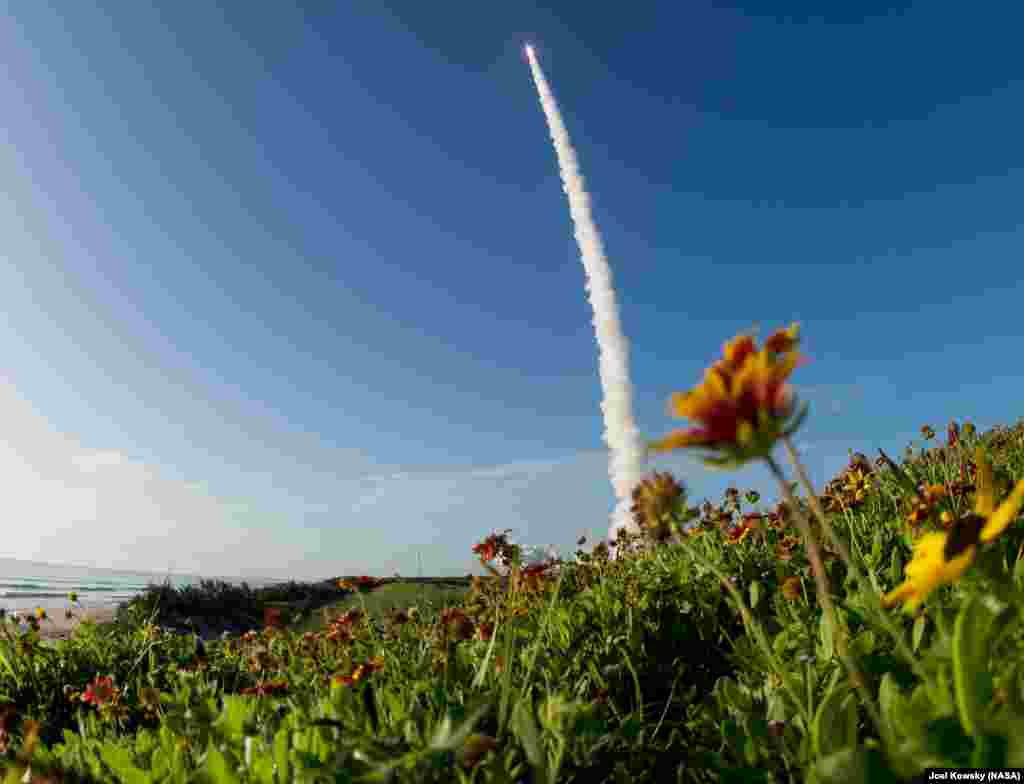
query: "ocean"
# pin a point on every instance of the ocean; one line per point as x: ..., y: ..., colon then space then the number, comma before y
x: 25, y: 585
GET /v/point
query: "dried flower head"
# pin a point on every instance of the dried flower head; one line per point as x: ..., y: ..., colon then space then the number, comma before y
x: 655, y: 498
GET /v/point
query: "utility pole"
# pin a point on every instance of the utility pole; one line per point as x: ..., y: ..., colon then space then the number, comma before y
x: 419, y: 559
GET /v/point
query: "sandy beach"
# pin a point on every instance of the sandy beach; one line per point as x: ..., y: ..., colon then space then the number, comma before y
x: 58, y: 627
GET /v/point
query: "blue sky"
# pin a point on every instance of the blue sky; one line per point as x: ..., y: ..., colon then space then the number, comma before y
x: 295, y: 292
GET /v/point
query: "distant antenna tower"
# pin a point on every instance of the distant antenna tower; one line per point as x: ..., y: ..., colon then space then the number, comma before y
x: 419, y: 559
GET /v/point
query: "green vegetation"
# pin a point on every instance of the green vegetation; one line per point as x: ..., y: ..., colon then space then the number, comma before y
x: 862, y: 633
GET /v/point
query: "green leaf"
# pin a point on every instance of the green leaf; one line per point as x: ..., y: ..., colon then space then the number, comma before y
x: 920, y: 626
x: 485, y: 665
x: 731, y: 697
x: 1018, y: 572
x: 896, y: 566
x: 989, y: 752
x: 780, y: 642
x: 827, y: 633
x: 892, y: 705
x: 944, y: 738
x: 236, y: 718
x: 282, y: 745
x: 122, y: 763
x: 525, y: 725
x: 370, y: 706
x: 852, y: 766
x: 905, y: 481
x: 876, y: 547
x: 835, y: 722
x: 864, y: 643
x: 448, y: 738
x: 1015, y: 703
x: 972, y: 681
x: 220, y: 768
x: 756, y: 592
x: 263, y: 770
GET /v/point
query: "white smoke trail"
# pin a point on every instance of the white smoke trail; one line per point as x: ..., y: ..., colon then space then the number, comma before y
x: 628, y: 455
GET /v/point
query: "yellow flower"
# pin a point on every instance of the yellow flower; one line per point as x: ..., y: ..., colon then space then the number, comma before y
x: 941, y: 558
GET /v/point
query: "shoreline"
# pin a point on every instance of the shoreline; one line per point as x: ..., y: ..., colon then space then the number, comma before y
x: 59, y: 627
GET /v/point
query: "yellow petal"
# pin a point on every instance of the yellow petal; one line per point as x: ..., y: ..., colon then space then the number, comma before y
x: 985, y: 500
x: 678, y: 404
x: 1005, y: 514
x: 747, y: 373
x: 715, y: 385
x: 733, y: 348
x: 899, y: 594
x: 953, y: 569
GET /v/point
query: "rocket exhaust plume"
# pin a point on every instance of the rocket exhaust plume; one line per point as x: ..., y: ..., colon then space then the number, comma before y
x: 628, y: 453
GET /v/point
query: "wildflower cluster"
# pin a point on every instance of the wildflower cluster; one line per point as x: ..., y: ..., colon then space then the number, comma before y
x: 727, y: 637
x: 105, y: 697
x: 359, y: 673
x: 851, y: 488
x: 941, y: 557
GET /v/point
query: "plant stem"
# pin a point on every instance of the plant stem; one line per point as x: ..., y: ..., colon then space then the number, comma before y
x: 825, y: 598
x: 751, y: 624
x: 894, y: 631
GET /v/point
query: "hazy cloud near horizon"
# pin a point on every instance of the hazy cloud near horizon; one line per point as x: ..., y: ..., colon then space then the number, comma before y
x: 84, y: 505
x: 100, y: 506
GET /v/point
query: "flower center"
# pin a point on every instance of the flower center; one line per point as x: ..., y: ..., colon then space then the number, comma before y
x: 964, y: 534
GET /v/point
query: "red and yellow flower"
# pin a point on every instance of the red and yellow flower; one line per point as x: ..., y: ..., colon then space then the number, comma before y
x: 743, y: 403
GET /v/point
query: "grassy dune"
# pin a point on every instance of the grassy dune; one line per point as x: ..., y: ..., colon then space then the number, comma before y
x: 434, y: 594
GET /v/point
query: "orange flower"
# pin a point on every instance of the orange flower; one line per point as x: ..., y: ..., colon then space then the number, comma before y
x: 100, y: 691
x: 738, y: 533
x: 457, y: 623
x: 360, y: 672
x: 933, y: 493
x: 743, y: 404
x: 266, y: 689
x: 952, y: 434
x: 783, y: 341
x: 272, y: 618
x: 785, y: 547
x: 753, y: 520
